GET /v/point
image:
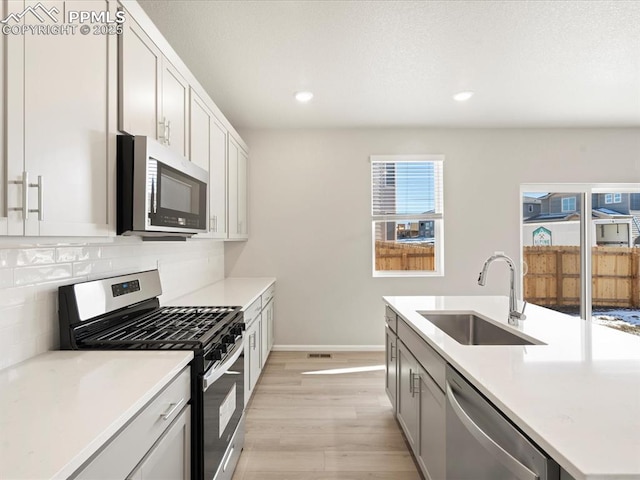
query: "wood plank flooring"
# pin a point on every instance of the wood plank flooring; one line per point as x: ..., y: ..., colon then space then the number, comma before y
x: 314, y: 419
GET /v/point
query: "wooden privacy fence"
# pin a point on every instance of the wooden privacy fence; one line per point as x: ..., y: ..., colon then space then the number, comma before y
x: 404, y: 256
x: 553, y: 276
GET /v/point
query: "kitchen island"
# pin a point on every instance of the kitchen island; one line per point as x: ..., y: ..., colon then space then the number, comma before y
x: 577, y: 395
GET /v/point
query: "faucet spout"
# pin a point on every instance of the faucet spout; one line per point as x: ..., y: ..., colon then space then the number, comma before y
x: 514, y: 314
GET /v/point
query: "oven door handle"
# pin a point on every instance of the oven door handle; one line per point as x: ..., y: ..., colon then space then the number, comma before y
x: 215, y: 373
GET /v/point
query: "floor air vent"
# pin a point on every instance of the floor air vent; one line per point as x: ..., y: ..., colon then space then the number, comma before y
x: 318, y: 355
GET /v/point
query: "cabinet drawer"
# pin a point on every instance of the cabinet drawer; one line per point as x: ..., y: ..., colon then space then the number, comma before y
x: 432, y: 362
x: 252, y: 311
x: 124, y: 451
x: 391, y: 318
x: 268, y: 295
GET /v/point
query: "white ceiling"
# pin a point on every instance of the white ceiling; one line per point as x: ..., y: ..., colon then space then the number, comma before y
x: 397, y: 63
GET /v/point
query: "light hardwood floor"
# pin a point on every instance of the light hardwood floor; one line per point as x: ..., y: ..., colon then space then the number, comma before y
x: 308, y: 419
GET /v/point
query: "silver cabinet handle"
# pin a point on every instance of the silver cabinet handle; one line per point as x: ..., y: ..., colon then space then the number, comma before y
x: 411, y: 382
x: 164, y: 136
x: 505, y: 458
x: 168, y: 132
x: 392, y: 348
x: 39, y: 210
x: 172, y: 408
x: 25, y: 196
x: 416, y: 386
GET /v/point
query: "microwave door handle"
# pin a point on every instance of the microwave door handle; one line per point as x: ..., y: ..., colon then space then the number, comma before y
x: 154, y: 205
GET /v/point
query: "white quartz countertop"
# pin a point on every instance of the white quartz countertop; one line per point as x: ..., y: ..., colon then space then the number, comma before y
x: 59, y: 408
x: 233, y: 291
x: 578, y: 396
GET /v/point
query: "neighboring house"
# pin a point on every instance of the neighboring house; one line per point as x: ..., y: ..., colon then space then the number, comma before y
x: 530, y: 206
x: 615, y: 219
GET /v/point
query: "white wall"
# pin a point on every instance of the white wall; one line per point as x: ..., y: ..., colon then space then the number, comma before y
x: 309, y: 214
x: 30, y: 274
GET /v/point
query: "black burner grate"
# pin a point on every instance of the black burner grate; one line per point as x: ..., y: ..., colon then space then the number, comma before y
x: 168, y: 327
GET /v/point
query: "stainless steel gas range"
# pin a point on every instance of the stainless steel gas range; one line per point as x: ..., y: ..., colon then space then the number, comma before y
x: 124, y: 312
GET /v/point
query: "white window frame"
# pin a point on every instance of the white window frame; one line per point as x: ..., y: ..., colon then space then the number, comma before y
x: 437, y: 218
x: 585, y: 191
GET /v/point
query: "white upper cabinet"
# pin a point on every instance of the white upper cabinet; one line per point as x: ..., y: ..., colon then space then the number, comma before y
x: 59, y: 155
x: 139, y: 99
x: 175, y: 108
x: 153, y: 94
x: 208, y: 149
x: 4, y: 227
x: 237, y: 185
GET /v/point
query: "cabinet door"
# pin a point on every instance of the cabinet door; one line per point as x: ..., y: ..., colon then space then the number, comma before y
x: 391, y: 378
x: 4, y: 221
x: 237, y: 184
x: 432, y: 444
x: 248, y: 390
x: 199, y: 132
x: 408, y: 400
x: 270, y: 321
x: 218, y: 181
x: 174, y: 121
x: 252, y: 358
x: 264, y: 335
x: 69, y: 81
x: 243, y: 227
x: 139, y: 81
x: 255, y: 364
x: 170, y: 457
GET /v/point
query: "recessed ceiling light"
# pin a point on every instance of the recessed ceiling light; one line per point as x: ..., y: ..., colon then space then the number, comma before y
x: 463, y: 96
x: 304, y: 97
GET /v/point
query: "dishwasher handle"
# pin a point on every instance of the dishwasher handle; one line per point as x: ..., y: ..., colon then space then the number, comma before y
x: 505, y: 458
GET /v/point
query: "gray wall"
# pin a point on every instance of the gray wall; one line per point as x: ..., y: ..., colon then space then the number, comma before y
x: 309, y: 214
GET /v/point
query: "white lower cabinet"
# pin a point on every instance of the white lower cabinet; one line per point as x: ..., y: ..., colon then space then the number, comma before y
x: 255, y: 361
x: 258, y: 338
x: 408, y: 403
x: 419, y: 401
x: 266, y: 335
x: 431, y: 452
x: 252, y: 359
x: 155, y: 444
x: 391, y: 366
x: 170, y: 457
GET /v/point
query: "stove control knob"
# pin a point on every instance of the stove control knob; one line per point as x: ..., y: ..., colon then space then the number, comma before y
x: 217, y: 352
x: 229, y: 339
x: 237, y: 329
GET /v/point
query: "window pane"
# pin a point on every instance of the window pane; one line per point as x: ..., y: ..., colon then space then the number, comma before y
x: 405, y: 245
x: 551, y: 250
x: 614, y: 259
x: 406, y: 188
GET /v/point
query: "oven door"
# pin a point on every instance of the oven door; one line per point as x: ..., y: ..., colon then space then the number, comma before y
x: 223, y: 404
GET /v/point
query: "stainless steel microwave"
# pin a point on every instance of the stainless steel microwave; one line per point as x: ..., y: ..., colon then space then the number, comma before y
x: 159, y: 193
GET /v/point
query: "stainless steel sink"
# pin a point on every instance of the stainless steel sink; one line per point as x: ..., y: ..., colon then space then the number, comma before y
x: 469, y: 329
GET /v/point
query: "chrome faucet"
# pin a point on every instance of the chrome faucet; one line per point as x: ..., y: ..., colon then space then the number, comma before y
x: 514, y: 314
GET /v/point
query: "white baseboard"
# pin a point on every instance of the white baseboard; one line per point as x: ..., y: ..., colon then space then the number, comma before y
x: 328, y: 348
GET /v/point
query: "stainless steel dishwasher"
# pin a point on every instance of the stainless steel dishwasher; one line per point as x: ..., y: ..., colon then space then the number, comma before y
x: 483, y: 445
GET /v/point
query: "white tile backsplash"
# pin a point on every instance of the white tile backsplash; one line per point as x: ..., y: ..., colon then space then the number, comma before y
x: 31, y: 274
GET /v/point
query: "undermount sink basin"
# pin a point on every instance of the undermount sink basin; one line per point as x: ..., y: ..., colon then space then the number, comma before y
x: 470, y: 329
